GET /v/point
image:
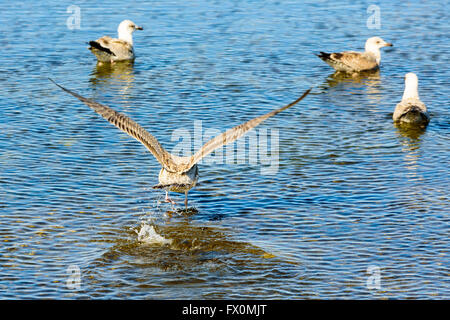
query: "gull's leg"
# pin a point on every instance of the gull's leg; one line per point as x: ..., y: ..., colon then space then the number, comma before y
x: 186, y: 199
x: 168, y: 199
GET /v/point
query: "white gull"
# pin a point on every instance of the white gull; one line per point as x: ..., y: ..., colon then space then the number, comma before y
x: 411, y: 110
x: 108, y: 49
x: 351, y: 61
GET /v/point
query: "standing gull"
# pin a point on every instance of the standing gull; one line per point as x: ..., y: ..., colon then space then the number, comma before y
x: 108, y: 49
x: 178, y: 174
x: 351, y: 61
x: 411, y: 110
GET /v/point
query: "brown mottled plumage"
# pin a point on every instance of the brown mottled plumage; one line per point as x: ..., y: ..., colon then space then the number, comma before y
x: 178, y: 174
x: 351, y: 61
x: 108, y: 49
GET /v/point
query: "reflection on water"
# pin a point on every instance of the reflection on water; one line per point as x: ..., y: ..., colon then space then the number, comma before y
x: 414, y: 188
x: 409, y: 131
x: 411, y: 147
x: 121, y: 74
x: 368, y: 82
x: 369, y: 79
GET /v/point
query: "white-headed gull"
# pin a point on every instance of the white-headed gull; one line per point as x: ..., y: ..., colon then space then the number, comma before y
x: 108, y: 49
x: 351, y: 61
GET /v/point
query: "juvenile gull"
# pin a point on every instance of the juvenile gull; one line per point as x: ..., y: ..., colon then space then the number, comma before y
x: 108, y: 49
x: 411, y: 110
x: 178, y: 174
x: 351, y: 61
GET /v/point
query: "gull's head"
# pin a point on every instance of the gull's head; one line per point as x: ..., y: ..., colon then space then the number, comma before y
x: 128, y: 26
x: 411, y: 86
x: 375, y: 43
x: 126, y: 29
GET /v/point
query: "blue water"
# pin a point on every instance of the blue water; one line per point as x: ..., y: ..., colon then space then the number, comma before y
x: 352, y: 190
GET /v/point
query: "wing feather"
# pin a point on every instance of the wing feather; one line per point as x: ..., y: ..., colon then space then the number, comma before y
x: 235, y: 133
x: 132, y: 128
x: 355, y: 60
x: 118, y: 48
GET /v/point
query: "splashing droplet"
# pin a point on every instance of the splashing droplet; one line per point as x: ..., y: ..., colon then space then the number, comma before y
x: 148, y: 234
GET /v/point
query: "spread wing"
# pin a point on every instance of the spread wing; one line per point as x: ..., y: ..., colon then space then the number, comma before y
x: 235, y: 133
x: 132, y: 128
x: 350, y: 59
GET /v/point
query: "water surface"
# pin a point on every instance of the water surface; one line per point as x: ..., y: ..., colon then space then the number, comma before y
x: 352, y: 190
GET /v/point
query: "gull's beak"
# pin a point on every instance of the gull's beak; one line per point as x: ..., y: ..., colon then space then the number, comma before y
x: 388, y: 44
x: 138, y: 28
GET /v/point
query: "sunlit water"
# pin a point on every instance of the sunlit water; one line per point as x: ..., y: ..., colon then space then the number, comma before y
x: 352, y: 191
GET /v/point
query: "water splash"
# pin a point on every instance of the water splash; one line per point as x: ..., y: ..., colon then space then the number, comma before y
x: 147, y: 234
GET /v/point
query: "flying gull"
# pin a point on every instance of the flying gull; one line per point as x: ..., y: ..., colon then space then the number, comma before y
x: 411, y: 110
x: 351, y: 61
x: 108, y: 49
x: 178, y: 174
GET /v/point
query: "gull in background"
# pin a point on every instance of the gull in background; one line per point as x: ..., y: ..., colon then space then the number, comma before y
x: 411, y: 110
x: 351, y: 61
x: 108, y: 49
x: 178, y: 174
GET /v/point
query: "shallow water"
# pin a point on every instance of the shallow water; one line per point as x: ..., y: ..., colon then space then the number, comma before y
x: 352, y: 191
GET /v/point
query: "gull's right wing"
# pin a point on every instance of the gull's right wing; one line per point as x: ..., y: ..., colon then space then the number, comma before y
x: 132, y: 128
